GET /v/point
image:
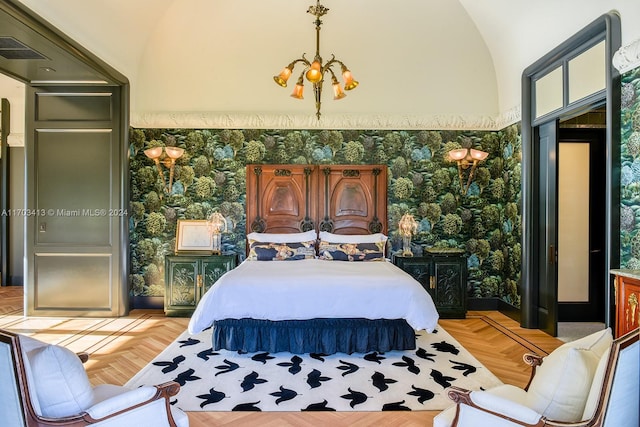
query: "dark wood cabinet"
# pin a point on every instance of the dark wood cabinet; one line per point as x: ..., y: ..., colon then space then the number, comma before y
x: 627, y: 287
x: 443, y: 273
x: 188, y: 277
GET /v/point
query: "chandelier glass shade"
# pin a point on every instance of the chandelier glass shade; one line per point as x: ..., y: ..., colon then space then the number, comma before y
x: 314, y: 71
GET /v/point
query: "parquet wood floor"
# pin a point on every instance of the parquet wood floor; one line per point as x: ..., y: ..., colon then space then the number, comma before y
x: 120, y: 347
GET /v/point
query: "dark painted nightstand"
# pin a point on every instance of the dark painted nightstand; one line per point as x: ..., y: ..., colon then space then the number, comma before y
x: 188, y: 277
x: 443, y: 273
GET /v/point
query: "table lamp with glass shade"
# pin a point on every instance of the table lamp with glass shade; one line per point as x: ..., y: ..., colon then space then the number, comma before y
x: 217, y: 225
x: 407, y: 227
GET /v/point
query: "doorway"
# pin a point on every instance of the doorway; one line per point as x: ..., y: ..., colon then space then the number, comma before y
x: 582, y: 218
x: 75, y: 161
x: 570, y: 221
x: 556, y: 88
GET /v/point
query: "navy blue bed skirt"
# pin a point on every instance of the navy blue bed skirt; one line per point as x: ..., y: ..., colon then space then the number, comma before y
x: 325, y: 336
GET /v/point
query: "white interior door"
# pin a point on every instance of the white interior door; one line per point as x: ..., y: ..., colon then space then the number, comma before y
x: 573, y: 222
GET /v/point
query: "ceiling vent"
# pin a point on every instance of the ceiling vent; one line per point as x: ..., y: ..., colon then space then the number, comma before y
x: 11, y: 48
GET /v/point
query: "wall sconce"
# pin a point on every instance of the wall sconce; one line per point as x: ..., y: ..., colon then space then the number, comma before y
x: 172, y: 154
x: 217, y: 224
x: 407, y: 227
x: 466, y: 157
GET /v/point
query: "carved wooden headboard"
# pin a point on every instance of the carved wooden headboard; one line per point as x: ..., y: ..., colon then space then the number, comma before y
x: 341, y: 199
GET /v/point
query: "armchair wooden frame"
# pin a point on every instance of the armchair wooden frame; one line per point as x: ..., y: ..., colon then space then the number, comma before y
x: 31, y: 419
x: 462, y: 396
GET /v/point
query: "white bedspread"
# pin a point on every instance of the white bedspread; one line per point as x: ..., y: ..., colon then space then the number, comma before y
x: 307, y: 289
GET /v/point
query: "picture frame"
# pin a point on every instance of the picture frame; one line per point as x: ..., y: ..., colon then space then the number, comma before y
x: 193, y: 236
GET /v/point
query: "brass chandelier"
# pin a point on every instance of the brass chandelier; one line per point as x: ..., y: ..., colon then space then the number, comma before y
x: 315, y: 71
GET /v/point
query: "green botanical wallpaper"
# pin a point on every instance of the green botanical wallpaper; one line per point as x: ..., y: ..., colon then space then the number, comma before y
x: 630, y: 172
x: 211, y: 177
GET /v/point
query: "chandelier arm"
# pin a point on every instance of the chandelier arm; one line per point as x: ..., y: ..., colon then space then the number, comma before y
x: 343, y: 66
x: 304, y: 60
x: 339, y: 62
x: 331, y: 61
x: 334, y: 60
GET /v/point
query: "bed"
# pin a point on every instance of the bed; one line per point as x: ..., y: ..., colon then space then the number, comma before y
x: 317, y: 277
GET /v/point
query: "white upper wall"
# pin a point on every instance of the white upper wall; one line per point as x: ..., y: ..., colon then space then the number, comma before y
x: 518, y: 32
x: 407, y: 63
x: 438, y: 64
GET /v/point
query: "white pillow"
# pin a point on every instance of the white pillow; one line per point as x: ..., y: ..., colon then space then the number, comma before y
x: 283, y: 237
x: 597, y: 342
x: 596, y: 386
x: 561, y: 384
x: 61, y: 382
x: 29, y: 344
x: 352, y: 238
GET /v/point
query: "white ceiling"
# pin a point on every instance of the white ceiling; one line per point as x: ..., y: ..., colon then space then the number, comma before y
x: 434, y: 64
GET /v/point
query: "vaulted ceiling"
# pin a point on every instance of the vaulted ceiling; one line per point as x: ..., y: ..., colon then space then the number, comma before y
x: 433, y: 64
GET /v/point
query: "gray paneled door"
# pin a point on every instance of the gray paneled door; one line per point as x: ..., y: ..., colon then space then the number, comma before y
x: 76, y: 214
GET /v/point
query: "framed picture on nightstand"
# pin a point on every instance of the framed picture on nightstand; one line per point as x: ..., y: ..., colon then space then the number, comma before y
x: 193, y: 236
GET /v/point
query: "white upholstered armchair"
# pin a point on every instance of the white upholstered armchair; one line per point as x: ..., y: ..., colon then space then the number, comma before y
x: 585, y: 383
x: 46, y: 385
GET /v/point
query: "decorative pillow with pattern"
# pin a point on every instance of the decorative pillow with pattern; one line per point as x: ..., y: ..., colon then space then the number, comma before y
x: 351, y: 251
x: 275, y: 251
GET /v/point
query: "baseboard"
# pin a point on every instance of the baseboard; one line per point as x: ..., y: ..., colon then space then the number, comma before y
x: 15, y: 280
x: 146, y: 302
x: 491, y: 304
x: 482, y: 304
x: 509, y: 310
x: 579, y: 312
